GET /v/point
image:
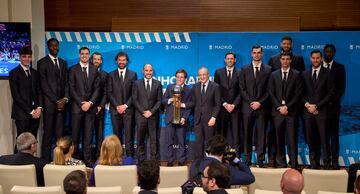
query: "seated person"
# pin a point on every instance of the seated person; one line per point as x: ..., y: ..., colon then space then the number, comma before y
x: 215, y: 178
x: 357, y: 185
x: 149, y: 176
x: 111, y: 154
x: 26, y: 144
x: 292, y: 182
x: 240, y: 173
x: 63, y: 152
x: 75, y: 183
x: 353, y: 168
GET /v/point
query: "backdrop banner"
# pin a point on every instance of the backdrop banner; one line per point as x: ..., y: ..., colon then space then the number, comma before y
x: 169, y: 51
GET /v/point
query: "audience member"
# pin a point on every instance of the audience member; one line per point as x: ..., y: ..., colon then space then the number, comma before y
x: 215, y: 178
x: 75, y: 183
x: 357, y: 185
x: 26, y: 144
x: 149, y: 176
x: 63, y: 152
x: 292, y: 182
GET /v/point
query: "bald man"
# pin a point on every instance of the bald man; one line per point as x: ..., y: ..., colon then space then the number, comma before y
x: 292, y: 182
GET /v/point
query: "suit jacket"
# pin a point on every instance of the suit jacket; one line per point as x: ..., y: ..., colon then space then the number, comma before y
x: 22, y: 158
x: 297, y: 62
x: 230, y: 91
x: 338, y: 76
x: 80, y: 90
x: 292, y: 89
x: 54, y: 83
x: 26, y: 94
x: 116, y: 93
x: 186, y: 97
x: 209, y: 106
x: 103, y: 98
x: 142, y: 102
x: 319, y: 93
x: 249, y: 87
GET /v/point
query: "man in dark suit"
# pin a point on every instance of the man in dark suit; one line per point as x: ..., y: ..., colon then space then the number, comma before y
x: 148, y: 177
x: 253, y: 81
x: 119, y: 88
x: 146, y: 95
x: 96, y: 59
x: 26, y: 145
x: 297, y: 63
x: 228, y: 120
x: 317, y: 94
x: 285, y: 86
x: 206, y: 101
x: 176, y: 130
x: 84, y: 91
x: 215, y: 178
x: 26, y: 93
x: 338, y: 76
x: 53, y: 81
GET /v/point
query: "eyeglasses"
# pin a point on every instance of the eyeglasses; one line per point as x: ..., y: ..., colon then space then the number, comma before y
x: 205, y: 177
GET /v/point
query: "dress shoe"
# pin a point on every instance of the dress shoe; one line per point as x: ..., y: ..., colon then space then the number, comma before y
x: 260, y: 164
x: 181, y: 164
x: 170, y: 164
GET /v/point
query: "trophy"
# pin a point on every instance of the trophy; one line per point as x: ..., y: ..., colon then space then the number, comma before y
x: 176, y: 94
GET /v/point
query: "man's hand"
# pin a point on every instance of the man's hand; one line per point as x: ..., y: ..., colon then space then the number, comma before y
x: 61, y: 104
x: 37, y: 113
x: 98, y: 110
x: 311, y: 108
x: 121, y: 109
x: 85, y: 106
x: 147, y: 114
x: 229, y: 107
x: 255, y: 105
x: 283, y: 110
x: 211, y: 122
x: 182, y: 121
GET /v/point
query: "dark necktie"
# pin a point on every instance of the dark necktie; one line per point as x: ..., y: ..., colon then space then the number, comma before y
x: 314, y: 76
x: 283, y: 86
x: 30, y: 85
x: 121, y: 76
x: 28, y: 73
x: 85, y: 77
x: 122, y: 88
x: 56, y: 64
x: 147, y: 88
x: 255, y: 85
x: 203, y: 92
x: 256, y: 72
x: 229, y: 77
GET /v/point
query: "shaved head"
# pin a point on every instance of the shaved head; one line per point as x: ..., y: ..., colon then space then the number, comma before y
x: 292, y: 181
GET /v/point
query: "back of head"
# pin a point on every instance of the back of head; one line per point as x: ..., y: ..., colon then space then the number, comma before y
x: 217, y: 145
x: 148, y: 174
x: 111, y: 151
x: 75, y: 182
x: 24, y: 141
x: 292, y: 181
x: 357, y: 185
x: 62, y: 148
x: 220, y: 173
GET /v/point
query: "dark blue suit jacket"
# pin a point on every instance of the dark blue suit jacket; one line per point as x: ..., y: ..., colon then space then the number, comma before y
x: 238, y: 176
x: 186, y: 97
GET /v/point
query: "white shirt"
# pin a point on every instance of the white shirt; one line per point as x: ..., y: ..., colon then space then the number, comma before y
x: 123, y: 71
x: 287, y: 73
x: 150, y: 82
x: 317, y: 71
x: 206, y: 85
x: 254, y: 67
x: 87, y: 67
x: 328, y: 64
x: 231, y: 71
x: 25, y: 68
x: 53, y: 60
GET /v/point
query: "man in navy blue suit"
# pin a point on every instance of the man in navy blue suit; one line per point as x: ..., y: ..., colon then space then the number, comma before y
x: 176, y: 130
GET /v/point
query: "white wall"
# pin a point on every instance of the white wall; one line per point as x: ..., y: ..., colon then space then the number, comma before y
x: 19, y: 11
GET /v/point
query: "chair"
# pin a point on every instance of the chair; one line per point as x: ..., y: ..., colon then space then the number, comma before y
x: 260, y: 191
x: 327, y: 192
x: 104, y: 190
x: 38, y: 190
x: 55, y: 174
x: 173, y: 176
x: 266, y: 179
x: 1, y: 191
x: 11, y: 175
x: 124, y: 176
x: 199, y: 190
x: 329, y: 180
x: 168, y: 190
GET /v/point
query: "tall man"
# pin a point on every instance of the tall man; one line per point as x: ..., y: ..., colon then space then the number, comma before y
x: 146, y: 95
x: 206, y: 101
x: 297, y: 63
x: 253, y: 81
x: 285, y: 86
x: 54, y: 85
x: 84, y: 91
x: 228, y: 80
x: 119, y: 89
x: 317, y: 94
x: 176, y: 130
x: 26, y: 93
x: 96, y: 60
x: 338, y: 75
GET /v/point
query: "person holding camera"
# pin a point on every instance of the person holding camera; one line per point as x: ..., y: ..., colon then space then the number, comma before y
x: 240, y: 173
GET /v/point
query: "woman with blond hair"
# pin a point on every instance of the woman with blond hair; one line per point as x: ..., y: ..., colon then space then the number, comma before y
x: 111, y: 154
x: 63, y: 152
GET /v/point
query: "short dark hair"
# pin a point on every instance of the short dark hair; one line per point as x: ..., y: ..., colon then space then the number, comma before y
x: 181, y: 71
x: 51, y: 40
x: 315, y: 51
x: 26, y: 50
x: 96, y: 53
x: 230, y: 53
x: 75, y: 182
x: 256, y: 47
x: 286, y: 38
x: 220, y: 173
x: 122, y: 54
x: 148, y: 173
x: 286, y: 54
x: 217, y: 145
x: 357, y: 183
x: 84, y: 48
x: 330, y: 46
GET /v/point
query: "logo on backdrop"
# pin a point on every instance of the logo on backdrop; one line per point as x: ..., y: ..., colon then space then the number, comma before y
x: 312, y: 46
